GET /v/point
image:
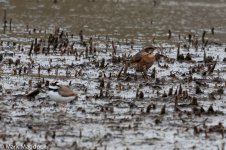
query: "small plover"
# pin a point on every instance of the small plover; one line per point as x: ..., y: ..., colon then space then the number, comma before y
x: 60, y: 93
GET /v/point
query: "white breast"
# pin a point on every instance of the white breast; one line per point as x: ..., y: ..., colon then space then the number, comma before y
x: 55, y: 96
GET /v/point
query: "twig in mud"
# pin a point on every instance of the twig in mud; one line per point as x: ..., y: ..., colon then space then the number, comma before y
x: 194, y: 101
x: 102, y: 83
x: 102, y: 64
x: 176, y: 104
x: 189, y: 38
x: 10, y: 24
x: 210, y: 109
x: 81, y: 36
x: 31, y: 48
x: 150, y: 106
x: 180, y: 57
x: 212, y: 68
x: 164, y: 94
x: 114, y: 47
x: 169, y: 34
x: 126, y: 68
x: 175, y: 93
x: 180, y: 90
x: 163, y: 110
x: 170, y: 93
x: 39, y: 70
x: 198, y: 90
x: 203, y: 37
x: 212, y: 30
x: 32, y: 94
x: 141, y: 95
x: 206, y: 43
x: 101, y: 93
x: 153, y: 74
x: 119, y: 74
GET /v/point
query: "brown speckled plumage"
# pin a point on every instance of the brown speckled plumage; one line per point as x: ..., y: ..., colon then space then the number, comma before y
x: 144, y: 59
x: 65, y: 91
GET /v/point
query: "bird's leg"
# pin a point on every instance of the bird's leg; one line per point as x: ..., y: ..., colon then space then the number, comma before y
x: 145, y: 75
x: 135, y: 77
x: 126, y: 68
x: 62, y: 107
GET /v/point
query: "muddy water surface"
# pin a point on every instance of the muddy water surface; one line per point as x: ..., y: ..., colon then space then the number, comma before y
x: 119, y: 117
x: 122, y: 18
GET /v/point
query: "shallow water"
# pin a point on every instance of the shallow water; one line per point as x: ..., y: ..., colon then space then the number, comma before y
x: 119, y: 119
x: 121, y: 18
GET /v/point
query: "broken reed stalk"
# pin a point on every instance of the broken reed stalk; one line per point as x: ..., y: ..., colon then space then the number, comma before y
x: 39, y: 71
x: 178, y: 50
x: 170, y: 91
x: 101, y: 93
x: 176, y: 103
x: 4, y: 16
x: 113, y: 47
x: 102, y: 64
x: 141, y: 95
x: 212, y: 30
x: 120, y: 72
x: 31, y: 48
x: 169, y: 34
x: 212, y: 67
x: 10, y: 24
x: 86, y: 52
x: 4, y: 21
x: 203, y: 37
x: 204, y: 56
x: 163, y: 110
x: 81, y: 36
x: 126, y: 68
x: 180, y: 90
x: 189, y: 38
